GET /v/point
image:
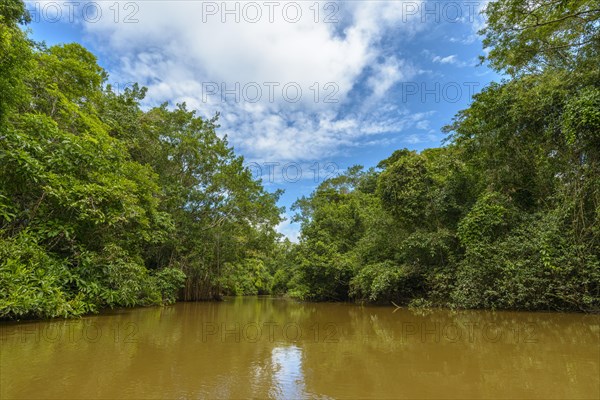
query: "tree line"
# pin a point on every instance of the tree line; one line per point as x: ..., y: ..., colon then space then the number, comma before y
x: 506, y: 215
x: 106, y: 204
x: 103, y: 204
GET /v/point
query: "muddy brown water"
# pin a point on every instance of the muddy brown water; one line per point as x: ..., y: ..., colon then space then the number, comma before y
x: 262, y: 347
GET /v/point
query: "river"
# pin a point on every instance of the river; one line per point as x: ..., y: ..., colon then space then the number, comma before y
x: 263, y: 347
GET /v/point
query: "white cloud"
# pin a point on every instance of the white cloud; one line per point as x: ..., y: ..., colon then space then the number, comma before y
x: 452, y: 59
x: 469, y: 39
x: 423, y: 124
x: 388, y: 73
x: 304, y: 52
x: 289, y: 229
x: 317, y: 136
x: 182, y: 51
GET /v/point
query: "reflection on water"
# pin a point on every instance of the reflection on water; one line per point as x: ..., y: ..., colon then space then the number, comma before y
x: 275, y: 348
x: 288, y: 382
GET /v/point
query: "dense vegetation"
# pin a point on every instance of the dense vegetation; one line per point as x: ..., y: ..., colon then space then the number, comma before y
x: 506, y: 215
x: 104, y: 204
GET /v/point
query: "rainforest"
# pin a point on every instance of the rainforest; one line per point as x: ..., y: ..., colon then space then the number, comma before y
x: 105, y: 203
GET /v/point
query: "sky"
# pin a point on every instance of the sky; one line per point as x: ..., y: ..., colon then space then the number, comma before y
x: 305, y: 89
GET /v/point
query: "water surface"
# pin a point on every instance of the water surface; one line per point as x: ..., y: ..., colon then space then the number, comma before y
x: 275, y: 348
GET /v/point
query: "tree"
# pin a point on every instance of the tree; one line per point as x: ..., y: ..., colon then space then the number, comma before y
x: 104, y: 204
x: 531, y: 36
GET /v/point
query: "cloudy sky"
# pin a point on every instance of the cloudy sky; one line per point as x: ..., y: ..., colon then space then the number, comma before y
x: 305, y: 89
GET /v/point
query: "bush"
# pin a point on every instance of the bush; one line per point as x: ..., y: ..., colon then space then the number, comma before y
x: 537, y: 266
x: 384, y: 281
x: 34, y: 283
x: 168, y: 281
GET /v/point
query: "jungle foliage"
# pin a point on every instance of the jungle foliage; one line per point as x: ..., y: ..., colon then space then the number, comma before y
x: 103, y: 204
x: 507, y: 214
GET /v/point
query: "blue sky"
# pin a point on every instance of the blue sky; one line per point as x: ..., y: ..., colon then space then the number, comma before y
x: 305, y: 89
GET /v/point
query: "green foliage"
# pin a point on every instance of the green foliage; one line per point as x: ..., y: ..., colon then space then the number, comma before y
x: 581, y: 121
x: 282, y: 266
x: 507, y: 214
x: 248, y: 277
x: 15, y: 54
x: 168, y: 282
x: 381, y: 282
x: 322, y: 273
x: 527, y: 36
x: 33, y: 283
x: 103, y: 204
x: 491, y: 217
x: 404, y: 186
x: 538, y: 266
